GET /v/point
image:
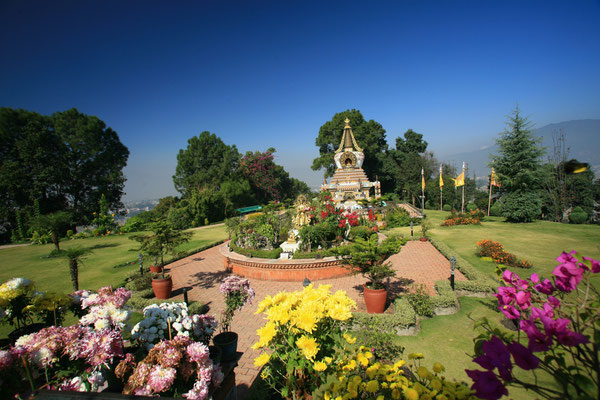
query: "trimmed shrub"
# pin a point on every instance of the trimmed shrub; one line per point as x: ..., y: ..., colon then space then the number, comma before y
x: 300, y: 255
x: 361, y: 232
x: 446, y: 297
x: 447, y: 207
x: 578, y: 216
x: 383, y: 344
x: 472, y: 207
x: 463, y: 265
x: 476, y: 286
x: 275, y: 253
x: 521, y: 206
x: 496, y: 210
x: 421, y: 301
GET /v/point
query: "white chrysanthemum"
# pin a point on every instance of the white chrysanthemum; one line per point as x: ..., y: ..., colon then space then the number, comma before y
x: 24, y: 340
x: 42, y: 356
x: 101, y: 324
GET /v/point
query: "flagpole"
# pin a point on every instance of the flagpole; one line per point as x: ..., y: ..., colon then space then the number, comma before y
x: 463, y: 189
x: 422, y: 192
x: 441, y: 191
x: 490, y: 198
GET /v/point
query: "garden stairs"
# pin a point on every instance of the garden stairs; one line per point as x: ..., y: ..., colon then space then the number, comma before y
x: 202, y: 273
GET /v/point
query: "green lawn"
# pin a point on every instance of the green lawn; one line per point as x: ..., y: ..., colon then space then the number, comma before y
x: 52, y: 274
x: 540, y: 242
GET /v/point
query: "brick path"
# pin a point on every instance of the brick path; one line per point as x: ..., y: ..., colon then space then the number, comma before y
x: 202, y: 273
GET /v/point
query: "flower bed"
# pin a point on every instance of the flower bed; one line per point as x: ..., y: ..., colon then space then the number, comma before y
x: 469, y: 218
x: 495, y: 250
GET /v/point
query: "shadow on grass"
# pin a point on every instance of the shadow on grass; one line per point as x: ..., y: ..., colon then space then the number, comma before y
x: 103, y: 246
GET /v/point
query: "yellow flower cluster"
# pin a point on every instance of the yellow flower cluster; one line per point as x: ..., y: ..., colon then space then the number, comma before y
x: 301, y: 313
x: 14, y: 288
x: 361, y: 376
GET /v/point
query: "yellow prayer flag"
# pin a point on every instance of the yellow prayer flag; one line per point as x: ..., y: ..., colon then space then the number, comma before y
x: 494, y: 179
x: 460, y: 180
x: 422, y: 179
x: 441, y: 179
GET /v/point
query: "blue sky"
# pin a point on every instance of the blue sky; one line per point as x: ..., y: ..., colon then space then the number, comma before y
x: 268, y: 74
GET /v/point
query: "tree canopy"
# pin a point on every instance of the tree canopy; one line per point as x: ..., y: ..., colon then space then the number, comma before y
x: 64, y: 162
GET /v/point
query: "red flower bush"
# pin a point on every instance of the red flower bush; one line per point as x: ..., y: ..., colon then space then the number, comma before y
x: 495, y: 250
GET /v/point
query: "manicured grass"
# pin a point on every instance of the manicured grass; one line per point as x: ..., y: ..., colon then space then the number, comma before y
x: 52, y: 274
x: 539, y: 242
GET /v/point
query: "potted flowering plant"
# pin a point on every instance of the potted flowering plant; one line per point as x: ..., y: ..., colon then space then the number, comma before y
x: 237, y: 293
x: 367, y: 257
x: 173, y: 367
x: 157, y: 317
x: 164, y: 240
x: 425, y: 226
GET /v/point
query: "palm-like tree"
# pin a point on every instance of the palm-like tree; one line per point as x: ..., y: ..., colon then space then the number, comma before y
x: 76, y: 255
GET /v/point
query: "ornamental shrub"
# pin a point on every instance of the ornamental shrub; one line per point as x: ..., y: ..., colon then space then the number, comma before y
x: 494, y: 250
x: 496, y: 210
x: 447, y: 207
x: 397, y: 217
x: 472, y: 207
x: 302, y: 334
x: 521, y: 206
x: 421, y: 302
x: 578, y: 216
x: 360, y: 232
x: 470, y: 218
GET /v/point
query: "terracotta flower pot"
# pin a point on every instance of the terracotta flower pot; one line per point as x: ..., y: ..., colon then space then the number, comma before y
x: 162, y: 287
x: 423, y: 239
x: 155, y: 269
x: 375, y: 299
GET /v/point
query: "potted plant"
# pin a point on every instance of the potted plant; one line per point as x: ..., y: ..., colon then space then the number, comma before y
x: 368, y: 257
x: 164, y: 240
x: 425, y: 226
x: 237, y: 292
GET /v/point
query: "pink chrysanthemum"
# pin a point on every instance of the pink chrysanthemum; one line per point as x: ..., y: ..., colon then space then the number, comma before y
x: 160, y: 379
x: 197, y: 352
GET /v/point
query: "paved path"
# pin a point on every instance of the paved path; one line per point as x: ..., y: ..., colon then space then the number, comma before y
x: 418, y: 262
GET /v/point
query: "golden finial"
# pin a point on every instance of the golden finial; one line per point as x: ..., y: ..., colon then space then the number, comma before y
x: 347, y: 121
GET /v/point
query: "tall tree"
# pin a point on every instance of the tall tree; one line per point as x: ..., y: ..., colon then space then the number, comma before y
x: 369, y: 135
x: 519, y: 168
x: 410, y: 156
x: 94, y: 160
x: 205, y: 163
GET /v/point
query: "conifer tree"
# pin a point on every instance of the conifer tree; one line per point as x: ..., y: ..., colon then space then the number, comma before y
x: 520, y: 170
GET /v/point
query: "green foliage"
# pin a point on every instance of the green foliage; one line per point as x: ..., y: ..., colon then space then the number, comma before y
x: 397, y: 216
x: 205, y: 163
x: 496, y: 210
x: 521, y: 206
x: 462, y: 265
x: 56, y: 224
x: 446, y: 298
x: 139, y: 222
x: 360, y: 232
x: 404, y: 314
x: 275, y: 253
x: 367, y: 257
x: 472, y: 207
x: 383, y: 344
x: 578, y: 216
x: 299, y: 255
x: 75, y: 256
x: 447, y: 207
x: 421, y: 301
x: 163, y: 240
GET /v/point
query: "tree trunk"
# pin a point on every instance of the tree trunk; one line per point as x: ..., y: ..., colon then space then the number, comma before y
x: 55, y: 240
x: 74, y: 271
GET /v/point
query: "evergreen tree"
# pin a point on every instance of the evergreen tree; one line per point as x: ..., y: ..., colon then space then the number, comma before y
x: 519, y: 168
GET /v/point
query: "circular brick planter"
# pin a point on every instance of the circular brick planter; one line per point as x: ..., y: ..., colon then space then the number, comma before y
x: 282, y: 270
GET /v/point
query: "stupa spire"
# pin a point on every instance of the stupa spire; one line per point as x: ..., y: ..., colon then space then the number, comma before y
x: 348, y: 141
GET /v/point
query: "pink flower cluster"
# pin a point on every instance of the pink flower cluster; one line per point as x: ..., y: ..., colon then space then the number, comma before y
x: 105, y: 309
x: 168, y: 361
x: 203, y: 327
x: 538, y: 311
x: 235, y: 286
x: 47, y: 346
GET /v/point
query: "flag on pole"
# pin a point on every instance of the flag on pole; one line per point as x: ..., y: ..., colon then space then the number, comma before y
x: 422, y: 179
x: 495, y: 181
x: 460, y: 180
x: 441, y: 179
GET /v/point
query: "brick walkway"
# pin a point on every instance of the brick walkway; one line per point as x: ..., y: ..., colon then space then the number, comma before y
x: 202, y: 273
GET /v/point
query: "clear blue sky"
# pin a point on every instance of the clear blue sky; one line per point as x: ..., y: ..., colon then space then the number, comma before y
x: 269, y: 74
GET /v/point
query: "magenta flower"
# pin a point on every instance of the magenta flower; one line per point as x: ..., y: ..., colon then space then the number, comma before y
x: 537, y: 340
x: 523, y: 300
x: 545, y: 287
x: 510, y: 312
x: 506, y: 295
x: 567, y: 257
x: 595, y: 264
x: 553, y: 301
x: 523, y: 357
x: 486, y: 385
x: 513, y: 279
x: 495, y: 355
x: 568, y: 276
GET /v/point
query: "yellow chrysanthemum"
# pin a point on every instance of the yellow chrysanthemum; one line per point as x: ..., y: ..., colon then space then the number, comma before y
x: 372, y: 386
x: 349, y: 338
x: 372, y: 371
x: 266, y: 333
x: 364, y: 361
x: 305, y: 319
x: 436, y: 384
x: 415, y: 356
x: 395, y: 394
x: 319, y: 366
x: 411, y: 394
x: 422, y: 372
x: 350, y: 366
x: 437, y: 367
x: 339, y: 312
x: 262, y: 359
x: 308, y: 346
x: 264, y: 373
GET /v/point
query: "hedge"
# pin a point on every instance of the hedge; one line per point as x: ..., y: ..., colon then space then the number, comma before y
x: 463, y: 265
x: 256, y: 253
x: 446, y: 297
x: 312, y: 254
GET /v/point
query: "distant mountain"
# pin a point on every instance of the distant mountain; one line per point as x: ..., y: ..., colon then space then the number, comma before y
x: 582, y: 139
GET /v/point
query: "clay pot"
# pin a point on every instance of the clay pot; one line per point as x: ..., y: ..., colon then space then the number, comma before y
x: 423, y: 239
x: 162, y: 287
x: 375, y: 299
x: 155, y: 269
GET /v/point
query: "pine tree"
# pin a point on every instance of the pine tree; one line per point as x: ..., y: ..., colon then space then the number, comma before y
x: 519, y: 167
